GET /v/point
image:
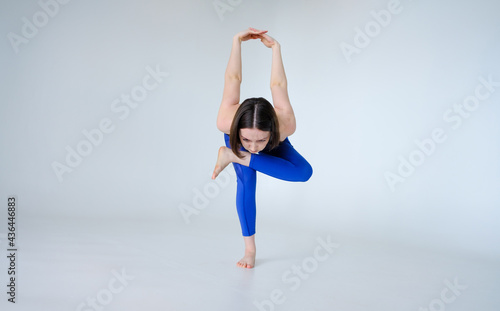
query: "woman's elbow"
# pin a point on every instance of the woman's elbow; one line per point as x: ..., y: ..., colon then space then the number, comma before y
x: 223, y: 126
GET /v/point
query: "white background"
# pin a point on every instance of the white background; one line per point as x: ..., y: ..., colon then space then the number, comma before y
x: 356, y: 116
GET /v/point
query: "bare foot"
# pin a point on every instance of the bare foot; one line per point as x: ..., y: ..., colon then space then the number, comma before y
x: 248, y: 261
x: 223, y: 160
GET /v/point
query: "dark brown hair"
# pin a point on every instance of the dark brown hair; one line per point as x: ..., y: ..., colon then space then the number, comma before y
x: 257, y: 113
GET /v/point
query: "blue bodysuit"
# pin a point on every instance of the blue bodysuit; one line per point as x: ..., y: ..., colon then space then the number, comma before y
x: 283, y: 162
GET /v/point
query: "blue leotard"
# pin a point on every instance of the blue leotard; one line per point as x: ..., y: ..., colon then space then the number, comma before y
x: 283, y: 162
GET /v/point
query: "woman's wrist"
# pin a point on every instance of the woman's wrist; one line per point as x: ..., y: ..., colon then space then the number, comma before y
x: 236, y: 39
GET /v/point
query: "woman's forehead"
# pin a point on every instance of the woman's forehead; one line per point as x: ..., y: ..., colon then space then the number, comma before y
x: 254, y: 134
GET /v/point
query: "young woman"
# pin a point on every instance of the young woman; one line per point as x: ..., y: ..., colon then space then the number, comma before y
x: 256, y: 136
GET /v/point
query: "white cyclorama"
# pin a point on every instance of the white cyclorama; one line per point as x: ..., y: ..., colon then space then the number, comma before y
x: 108, y: 140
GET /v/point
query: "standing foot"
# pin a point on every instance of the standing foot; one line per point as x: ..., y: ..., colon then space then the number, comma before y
x: 248, y: 261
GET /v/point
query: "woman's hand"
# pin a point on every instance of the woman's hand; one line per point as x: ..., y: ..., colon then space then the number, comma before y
x: 250, y: 33
x: 268, y: 41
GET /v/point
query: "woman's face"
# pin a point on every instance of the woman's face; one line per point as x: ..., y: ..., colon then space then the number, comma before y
x: 254, y: 140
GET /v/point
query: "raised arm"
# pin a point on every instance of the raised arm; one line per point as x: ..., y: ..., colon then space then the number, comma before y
x: 279, y: 90
x: 232, y: 80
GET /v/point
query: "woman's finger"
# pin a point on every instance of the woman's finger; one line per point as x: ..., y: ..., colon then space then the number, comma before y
x: 258, y: 31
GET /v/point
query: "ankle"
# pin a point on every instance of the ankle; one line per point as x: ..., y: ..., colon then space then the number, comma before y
x: 250, y: 251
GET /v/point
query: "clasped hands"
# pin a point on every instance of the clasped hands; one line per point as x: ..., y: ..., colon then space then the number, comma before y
x: 252, y: 33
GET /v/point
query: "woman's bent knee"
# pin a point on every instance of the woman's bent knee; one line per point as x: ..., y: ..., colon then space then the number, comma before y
x: 304, y: 172
x: 307, y: 172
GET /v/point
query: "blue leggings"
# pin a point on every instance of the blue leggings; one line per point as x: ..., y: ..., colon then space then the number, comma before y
x: 283, y: 162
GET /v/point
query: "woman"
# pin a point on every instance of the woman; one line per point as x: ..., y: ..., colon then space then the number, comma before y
x: 256, y: 136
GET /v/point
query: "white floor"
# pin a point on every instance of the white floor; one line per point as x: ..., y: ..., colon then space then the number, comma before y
x: 87, y: 265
